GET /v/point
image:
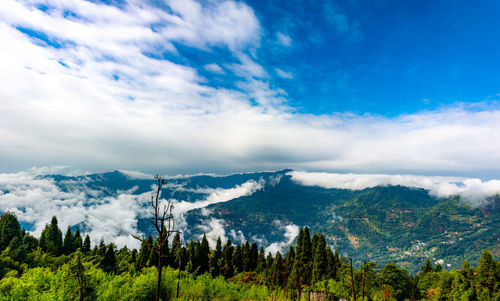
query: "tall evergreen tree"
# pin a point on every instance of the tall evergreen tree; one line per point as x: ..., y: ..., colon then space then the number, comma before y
x: 86, y: 245
x: 277, y: 271
x: 68, y: 242
x: 261, y: 261
x: 77, y: 241
x: 289, y: 261
x: 216, y: 259
x: 144, y: 252
x: 320, y: 263
x: 51, y: 238
x: 254, y: 256
x: 176, y: 251
x: 227, y: 263
x: 487, y: 277
x: 246, y: 257
x: 101, y: 249
x: 203, y: 255
x: 9, y: 228
x: 237, y: 259
x: 108, y: 263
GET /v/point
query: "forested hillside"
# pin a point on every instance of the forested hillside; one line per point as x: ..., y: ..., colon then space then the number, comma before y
x: 65, y: 267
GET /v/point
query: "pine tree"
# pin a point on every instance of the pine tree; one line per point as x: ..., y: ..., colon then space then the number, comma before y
x: 227, y: 255
x: 427, y: 267
x: 30, y: 242
x: 68, y: 242
x: 203, y: 255
x: 246, y: 257
x: 77, y: 241
x: 254, y: 256
x: 320, y: 261
x: 175, y: 254
x: 487, y: 278
x: 216, y: 259
x: 9, y: 228
x: 108, y: 263
x: 51, y: 238
x: 261, y: 261
x: 144, y: 252
x: 237, y: 259
x: 289, y: 261
x: 101, y: 249
x: 277, y: 271
x: 86, y: 245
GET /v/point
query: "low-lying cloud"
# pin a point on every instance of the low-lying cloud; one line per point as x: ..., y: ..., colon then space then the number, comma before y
x: 114, y: 217
x: 475, y: 191
x: 291, y: 231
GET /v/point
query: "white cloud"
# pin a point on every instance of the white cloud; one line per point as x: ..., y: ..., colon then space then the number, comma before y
x: 218, y: 195
x: 284, y: 39
x: 35, y: 200
x: 213, y: 229
x: 475, y: 191
x: 291, y: 231
x: 214, y: 68
x: 63, y: 106
x: 283, y: 74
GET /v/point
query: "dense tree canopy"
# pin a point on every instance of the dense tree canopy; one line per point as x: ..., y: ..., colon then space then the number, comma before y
x: 68, y: 267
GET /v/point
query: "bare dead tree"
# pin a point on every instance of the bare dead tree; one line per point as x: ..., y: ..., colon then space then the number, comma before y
x: 164, y: 224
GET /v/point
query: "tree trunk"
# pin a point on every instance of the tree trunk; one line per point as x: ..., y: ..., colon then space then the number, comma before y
x: 160, y: 268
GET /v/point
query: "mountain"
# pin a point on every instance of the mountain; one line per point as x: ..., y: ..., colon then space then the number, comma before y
x: 381, y: 223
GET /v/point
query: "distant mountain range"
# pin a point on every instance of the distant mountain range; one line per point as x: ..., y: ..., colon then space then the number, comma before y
x: 382, y: 223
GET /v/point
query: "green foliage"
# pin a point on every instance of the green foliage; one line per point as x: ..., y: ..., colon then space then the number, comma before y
x: 9, y: 229
x: 234, y: 272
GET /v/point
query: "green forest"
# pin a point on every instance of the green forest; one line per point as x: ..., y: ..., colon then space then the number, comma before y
x: 66, y: 267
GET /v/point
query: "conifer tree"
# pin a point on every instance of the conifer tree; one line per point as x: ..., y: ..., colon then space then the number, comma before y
x: 289, y: 261
x: 175, y: 254
x: 51, y: 238
x: 203, y: 255
x: 101, y: 249
x: 427, y: 267
x: 237, y: 259
x: 277, y: 271
x: 487, y: 277
x: 86, y: 245
x: 254, y: 256
x: 108, y: 263
x: 144, y: 252
x: 30, y: 242
x: 77, y: 241
x: 261, y: 261
x: 216, y: 259
x: 68, y: 242
x: 246, y: 257
x: 320, y: 263
x: 9, y: 228
x: 227, y: 255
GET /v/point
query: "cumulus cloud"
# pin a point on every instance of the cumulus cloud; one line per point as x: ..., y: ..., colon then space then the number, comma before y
x: 475, y: 191
x: 90, y: 88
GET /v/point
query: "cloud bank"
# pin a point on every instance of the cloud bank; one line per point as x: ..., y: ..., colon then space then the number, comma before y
x: 475, y: 191
x: 101, y: 87
x: 97, y: 212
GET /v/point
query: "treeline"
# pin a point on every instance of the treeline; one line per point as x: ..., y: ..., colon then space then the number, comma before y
x: 67, y: 265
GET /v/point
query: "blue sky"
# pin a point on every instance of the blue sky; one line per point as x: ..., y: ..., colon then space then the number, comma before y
x: 399, y: 87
